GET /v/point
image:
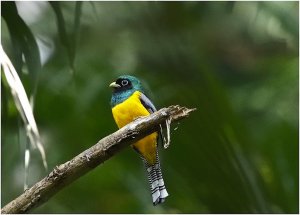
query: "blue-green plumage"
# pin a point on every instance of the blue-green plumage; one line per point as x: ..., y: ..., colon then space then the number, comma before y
x: 121, y: 93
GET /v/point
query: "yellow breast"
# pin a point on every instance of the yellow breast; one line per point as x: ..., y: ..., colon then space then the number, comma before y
x: 128, y: 111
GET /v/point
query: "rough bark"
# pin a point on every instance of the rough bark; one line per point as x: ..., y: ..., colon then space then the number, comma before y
x: 66, y: 173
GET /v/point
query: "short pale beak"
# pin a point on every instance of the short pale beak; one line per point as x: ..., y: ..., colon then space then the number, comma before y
x: 114, y: 85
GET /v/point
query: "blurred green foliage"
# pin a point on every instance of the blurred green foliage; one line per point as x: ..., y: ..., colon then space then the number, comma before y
x: 236, y: 62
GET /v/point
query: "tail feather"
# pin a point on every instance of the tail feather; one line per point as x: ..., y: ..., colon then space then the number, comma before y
x: 157, y: 185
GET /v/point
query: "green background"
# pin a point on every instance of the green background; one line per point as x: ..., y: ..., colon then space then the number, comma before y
x: 236, y: 62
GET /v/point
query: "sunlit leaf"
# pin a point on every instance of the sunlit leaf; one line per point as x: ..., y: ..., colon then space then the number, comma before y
x: 22, y: 104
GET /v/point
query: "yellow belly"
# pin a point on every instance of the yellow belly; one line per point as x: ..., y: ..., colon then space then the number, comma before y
x: 128, y: 111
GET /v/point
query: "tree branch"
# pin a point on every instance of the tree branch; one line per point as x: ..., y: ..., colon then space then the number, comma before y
x: 68, y: 172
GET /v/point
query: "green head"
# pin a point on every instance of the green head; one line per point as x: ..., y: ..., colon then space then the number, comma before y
x: 123, y: 88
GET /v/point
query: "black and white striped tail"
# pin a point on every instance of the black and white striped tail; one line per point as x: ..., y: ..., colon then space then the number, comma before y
x: 157, y: 185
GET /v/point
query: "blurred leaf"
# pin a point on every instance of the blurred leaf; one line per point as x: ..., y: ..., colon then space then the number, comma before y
x: 286, y: 15
x: 69, y: 41
x: 77, y: 17
x: 4, y: 101
x: 24, y: 44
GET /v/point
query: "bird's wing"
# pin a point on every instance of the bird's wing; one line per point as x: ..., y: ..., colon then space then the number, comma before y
x: 147, y: 103
x: 151, y: 108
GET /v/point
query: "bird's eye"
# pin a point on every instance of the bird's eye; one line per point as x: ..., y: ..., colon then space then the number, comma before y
x: 124, y: 82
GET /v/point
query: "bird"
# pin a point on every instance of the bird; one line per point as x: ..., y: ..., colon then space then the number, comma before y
x: 129, y: 102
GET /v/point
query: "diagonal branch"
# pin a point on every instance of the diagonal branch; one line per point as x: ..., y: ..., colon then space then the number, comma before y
x: 68, y: 172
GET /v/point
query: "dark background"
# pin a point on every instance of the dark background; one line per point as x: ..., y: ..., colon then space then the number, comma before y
x: 236, y: 62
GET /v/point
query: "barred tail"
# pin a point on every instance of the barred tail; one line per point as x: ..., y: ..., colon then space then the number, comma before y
x: 157, y: 185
